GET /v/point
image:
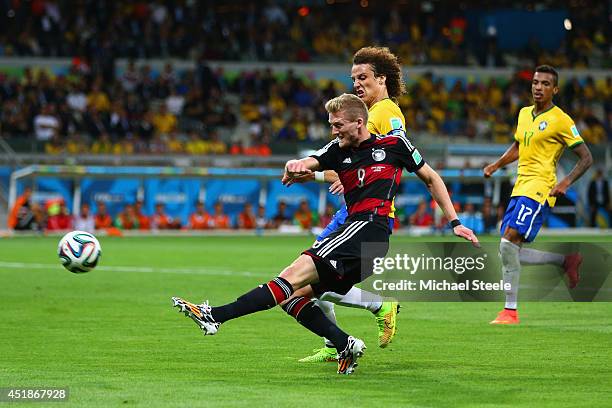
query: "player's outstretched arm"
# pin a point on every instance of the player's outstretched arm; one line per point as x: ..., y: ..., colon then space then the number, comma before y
x: 299, y: 168
x: 438, y: 191
x: 585, y: 160
x: 327, y: 176
x: 510, y: 156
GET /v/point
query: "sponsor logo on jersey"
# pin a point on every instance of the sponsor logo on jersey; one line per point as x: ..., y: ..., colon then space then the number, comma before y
x: 543, y: 125
x: 347, y: 160
x: 379, y: 155
x: 416, y: 156
x: 575, y: 131
x: 377, y: 169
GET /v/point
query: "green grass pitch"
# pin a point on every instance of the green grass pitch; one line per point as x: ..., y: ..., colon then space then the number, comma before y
x: 113, y: 338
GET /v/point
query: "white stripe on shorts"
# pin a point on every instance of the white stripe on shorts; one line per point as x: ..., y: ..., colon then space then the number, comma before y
x: 332, y: 241
x: 342, y: 238
x: 532, y: 220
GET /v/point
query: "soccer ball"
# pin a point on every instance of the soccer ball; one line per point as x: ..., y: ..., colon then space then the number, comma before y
x: 79, y: 251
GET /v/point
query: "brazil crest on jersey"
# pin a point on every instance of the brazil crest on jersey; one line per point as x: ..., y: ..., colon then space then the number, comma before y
x: 541, y: 140
x: 371, y: 173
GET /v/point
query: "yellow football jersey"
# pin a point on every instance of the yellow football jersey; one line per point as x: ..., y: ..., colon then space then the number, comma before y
x: 541, y: 140
x: 383, y: 117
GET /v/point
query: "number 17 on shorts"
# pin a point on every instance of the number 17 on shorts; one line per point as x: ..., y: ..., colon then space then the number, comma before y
x: 526, y: 216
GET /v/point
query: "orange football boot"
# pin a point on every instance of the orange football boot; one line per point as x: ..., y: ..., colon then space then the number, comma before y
x: 506, y: 316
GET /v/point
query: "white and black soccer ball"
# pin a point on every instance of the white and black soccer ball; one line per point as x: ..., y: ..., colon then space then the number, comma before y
x: 79, y: 251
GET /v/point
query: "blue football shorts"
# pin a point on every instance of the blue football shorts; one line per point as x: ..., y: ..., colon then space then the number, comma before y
x: 526, y: 216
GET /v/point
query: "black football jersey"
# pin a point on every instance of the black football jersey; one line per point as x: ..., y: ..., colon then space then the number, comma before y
x: 371, y: 173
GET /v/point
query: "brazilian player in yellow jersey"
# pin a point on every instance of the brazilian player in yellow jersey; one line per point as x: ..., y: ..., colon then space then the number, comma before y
x: 542, y: 133
x: 377, y: 80
x: 384, y: 117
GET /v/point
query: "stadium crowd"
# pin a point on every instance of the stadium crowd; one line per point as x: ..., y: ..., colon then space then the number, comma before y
x: 423, y: 32
x: 53, y: 215
x: 204, y: 112
x: 28, y: 214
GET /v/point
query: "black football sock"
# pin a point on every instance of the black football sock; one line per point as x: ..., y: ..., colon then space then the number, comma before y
x: 263, y: 297
x: 311, y: 317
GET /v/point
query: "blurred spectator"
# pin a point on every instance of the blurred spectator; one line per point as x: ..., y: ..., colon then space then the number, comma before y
x: 97, y: 100
x: 174, y: 144
x: 195, y: 145
x: 421, y: 217
x: 489, y: 218
x: 175, y: 102
x: 281, y: 217
x: 119, y: 124
x: 164, y: 121
x: 40, y: 217
x: 84, y: 221
x: 59, y: 217
x: 261, y: 221
x: 215, y: 144
x: 599, y: 198
x: 218, y: 219
x: 95, y: 122
x: 501, y: 210
x: 103, y: 145
x: 161, y: 220
x: 236, y: 148
x: 127, y: 219
x: 440, y: 220
x: 303, y: 216
x: 102, y: 218
x: 472, y: 219
x: 130, y: 78
x: 326, y: 218
x: 200, y: 219
x: 144, y: 222
x: 247, y: 219
x: 23, y: 215
x: 46, y: 124
x: 77, y: 99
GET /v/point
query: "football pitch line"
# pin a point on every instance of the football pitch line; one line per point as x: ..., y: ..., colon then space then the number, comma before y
x: 208, y: 271
x: 7, y: 266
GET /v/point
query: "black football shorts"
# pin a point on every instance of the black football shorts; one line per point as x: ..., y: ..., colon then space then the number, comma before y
x: 339, y: 258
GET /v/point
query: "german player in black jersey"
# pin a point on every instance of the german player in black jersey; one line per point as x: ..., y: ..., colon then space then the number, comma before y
x: 369, y: 167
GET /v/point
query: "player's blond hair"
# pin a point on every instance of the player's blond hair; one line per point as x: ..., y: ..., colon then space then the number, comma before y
x: 383, y: 62
x: 352, y: 105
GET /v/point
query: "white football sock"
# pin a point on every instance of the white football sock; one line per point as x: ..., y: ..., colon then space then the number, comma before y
x: 535, y: 257
x: 328, y: 310
x: 511, y: 269
x: 357, y: 298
